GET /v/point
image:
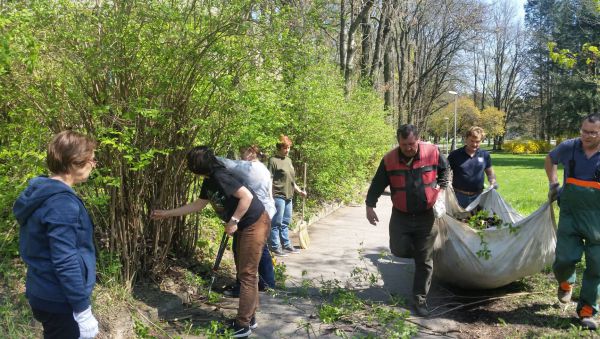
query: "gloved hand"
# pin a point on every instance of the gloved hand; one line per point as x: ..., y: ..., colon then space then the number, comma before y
x: 439, y: 208
x: 553, y: 191
x: 88, y: 325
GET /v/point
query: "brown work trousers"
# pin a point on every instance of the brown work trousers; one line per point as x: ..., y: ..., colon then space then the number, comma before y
x: 413, y: 236
x: 250, y: 243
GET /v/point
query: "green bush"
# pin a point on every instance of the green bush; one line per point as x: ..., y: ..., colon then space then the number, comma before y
x: 148, y: 91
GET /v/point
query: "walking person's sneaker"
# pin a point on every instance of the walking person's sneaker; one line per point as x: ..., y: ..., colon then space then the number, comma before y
x: 291, y: 249
x: 564, y: 292
x: 589, y: 323
x: 279, y: 252
x: 234, y: 292
x: 253, y: 323
x: 237, y: 331
x: 421, y: 308
x: 586, y: 314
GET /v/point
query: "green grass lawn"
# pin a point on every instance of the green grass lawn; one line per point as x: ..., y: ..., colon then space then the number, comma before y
x: 522, y: 180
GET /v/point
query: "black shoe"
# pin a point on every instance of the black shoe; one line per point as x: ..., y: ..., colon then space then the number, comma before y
x: 421, y: 308
x: 589, y: 323
x: 253, y: 323
x: 233, y: 293
x: 237, y: 330
x: 279, y: 252
x: 291, y: 249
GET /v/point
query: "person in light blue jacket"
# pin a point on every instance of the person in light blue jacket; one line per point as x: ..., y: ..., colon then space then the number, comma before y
x: 56, y: 240
x: 254, y: 175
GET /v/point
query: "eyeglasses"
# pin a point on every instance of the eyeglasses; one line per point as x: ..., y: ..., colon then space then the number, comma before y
x: 592, y: 134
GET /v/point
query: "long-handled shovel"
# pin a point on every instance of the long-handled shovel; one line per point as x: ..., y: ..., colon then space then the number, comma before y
x: 215, y: 267
x: 303, y: 227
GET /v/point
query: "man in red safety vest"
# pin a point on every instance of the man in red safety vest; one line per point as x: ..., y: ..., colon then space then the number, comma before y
x: 417, y: 174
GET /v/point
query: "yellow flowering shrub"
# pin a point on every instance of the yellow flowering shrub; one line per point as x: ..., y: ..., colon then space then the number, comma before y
x: 527, y: 146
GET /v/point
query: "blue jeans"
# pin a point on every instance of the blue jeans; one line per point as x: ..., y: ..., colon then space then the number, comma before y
x: 266, y: 272
x: 279, y: 225
x: 465, y: 200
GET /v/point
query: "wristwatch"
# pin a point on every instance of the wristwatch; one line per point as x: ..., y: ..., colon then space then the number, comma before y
x: 235, y: 220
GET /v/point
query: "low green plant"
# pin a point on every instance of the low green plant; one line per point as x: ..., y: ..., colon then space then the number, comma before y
x: 480, y: 221
x: 305, y: 285
x: 213, y: 297
x: 141, y: 330
x: 484, y: 250
x: 216, y: 330
x: 280, y: 273
x: 108, y: 268
x: 194, y: 280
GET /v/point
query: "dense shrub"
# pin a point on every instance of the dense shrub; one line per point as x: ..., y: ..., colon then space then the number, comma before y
x: 151, y: 79
x: 527, y: 146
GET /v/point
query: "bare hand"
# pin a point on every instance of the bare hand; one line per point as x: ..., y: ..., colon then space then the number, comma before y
x: 159, y: 214
x: 372, y: 216
x: 230, y: 229
x: 302, y: 193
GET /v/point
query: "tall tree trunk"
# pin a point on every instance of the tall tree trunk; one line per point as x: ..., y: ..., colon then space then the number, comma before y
x: 365, y: 47
x: 379, y: 43
x: 388, y: 77
x: 350, y: 44
x: 342, y: 42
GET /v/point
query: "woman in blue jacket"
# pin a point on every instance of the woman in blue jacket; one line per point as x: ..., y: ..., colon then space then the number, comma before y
x: 56, y: 240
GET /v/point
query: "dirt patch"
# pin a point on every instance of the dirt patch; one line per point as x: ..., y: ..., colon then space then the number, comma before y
x: 526, y: 308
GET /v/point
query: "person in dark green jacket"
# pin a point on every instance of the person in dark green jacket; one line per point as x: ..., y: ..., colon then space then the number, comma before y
x: 284, y: 186
x: 579, y: 219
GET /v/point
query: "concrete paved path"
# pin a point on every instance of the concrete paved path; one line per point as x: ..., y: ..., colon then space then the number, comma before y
x: 341, y: 242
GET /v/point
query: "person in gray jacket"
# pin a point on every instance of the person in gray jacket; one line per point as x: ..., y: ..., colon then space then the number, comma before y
x: 254, y: 175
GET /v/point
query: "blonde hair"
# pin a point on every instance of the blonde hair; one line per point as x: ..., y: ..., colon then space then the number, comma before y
x: 475, y: 131
x: 284, y: 141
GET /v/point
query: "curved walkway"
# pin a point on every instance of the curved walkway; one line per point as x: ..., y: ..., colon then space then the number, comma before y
x: 337, y: 243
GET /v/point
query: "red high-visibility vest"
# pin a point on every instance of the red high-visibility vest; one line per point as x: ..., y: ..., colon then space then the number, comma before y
x: 420, y: 177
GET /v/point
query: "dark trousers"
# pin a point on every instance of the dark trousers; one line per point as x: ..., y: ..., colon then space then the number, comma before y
x: 465, y: 200
x: 413, y: 236
x: 56, y: 325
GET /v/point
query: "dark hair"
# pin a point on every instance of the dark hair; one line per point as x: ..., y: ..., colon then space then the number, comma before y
x: 201, y: 160
x: 69, y: 149
x: 406, y: 130
x: 593, y: 118
x: 254, y: 149
x: 284, y: 141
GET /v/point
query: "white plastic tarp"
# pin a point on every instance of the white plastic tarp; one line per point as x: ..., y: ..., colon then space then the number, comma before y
x: 512, y: 255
